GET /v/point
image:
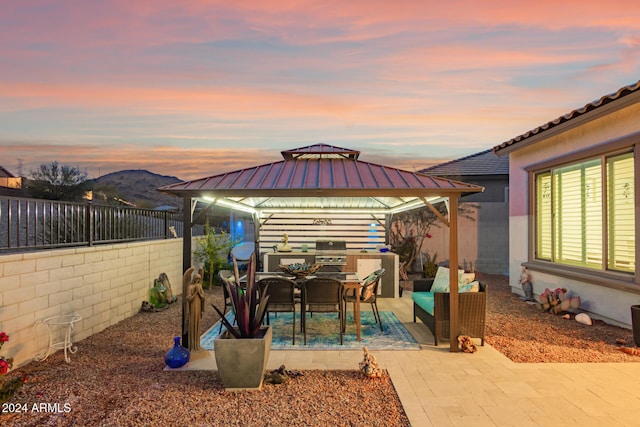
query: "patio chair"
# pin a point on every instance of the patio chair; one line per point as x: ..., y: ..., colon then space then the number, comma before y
x: 368, y: 294
x: 226, y: 275
x: 282, y: 299
x: 322, y: 295
x: 243, y: 253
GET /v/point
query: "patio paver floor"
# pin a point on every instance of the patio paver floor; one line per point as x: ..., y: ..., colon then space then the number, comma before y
x: 439, y: 388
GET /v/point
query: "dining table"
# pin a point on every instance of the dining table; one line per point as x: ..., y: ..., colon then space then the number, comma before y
x: 350, y: 281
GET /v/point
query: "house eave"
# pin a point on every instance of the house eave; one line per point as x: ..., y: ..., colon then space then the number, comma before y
x: 542, y: 134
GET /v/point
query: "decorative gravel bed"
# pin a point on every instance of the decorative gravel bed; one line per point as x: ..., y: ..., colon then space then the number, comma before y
x: 527, y: 334
x: 117, y: 377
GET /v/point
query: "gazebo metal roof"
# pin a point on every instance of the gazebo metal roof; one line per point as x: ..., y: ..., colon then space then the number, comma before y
x: 321, y: 176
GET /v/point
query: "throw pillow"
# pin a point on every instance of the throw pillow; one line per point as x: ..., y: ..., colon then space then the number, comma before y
x: 441, y: 281
x: 466, y: 278
x: 367, y: 289
x: 470, y: 287
x: 366, y: 293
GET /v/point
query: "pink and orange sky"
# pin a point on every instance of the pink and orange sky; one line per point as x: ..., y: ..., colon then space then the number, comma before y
x: 196, y: 88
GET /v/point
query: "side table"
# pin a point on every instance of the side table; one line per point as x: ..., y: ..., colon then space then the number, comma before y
x: 57, y: 325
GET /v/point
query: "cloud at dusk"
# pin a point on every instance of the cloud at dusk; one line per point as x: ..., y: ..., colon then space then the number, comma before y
x: 196, y: 87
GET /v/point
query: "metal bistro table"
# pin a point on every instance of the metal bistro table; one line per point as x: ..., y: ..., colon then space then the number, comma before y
x: 350, y: 280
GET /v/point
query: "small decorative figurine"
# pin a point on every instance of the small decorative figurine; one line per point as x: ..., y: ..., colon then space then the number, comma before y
x: 284, y: 247
x: 527, y: 287
x: 369, y: 365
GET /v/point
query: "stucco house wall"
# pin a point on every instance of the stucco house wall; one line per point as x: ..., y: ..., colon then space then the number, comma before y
x: 483, y: 239
x: 601, y: 301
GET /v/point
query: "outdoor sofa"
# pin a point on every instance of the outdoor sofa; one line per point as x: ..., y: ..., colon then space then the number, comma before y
x: 433, y: 309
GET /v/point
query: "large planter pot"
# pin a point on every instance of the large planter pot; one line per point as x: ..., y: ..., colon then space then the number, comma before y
x: 635, y: 323
x: 242, y: 362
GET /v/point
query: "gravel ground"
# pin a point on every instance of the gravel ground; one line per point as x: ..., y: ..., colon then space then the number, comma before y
x: 527, y: 334
x: 117, y: 377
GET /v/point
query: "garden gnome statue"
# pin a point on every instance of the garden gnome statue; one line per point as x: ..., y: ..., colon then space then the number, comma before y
x: 193, y: 307
x: 525, y: 282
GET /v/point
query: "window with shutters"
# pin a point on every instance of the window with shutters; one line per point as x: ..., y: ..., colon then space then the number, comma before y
x: 585, y: 214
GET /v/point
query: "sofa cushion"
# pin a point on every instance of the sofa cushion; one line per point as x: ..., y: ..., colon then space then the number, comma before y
x: 441, y: 281
x: 424, y: 300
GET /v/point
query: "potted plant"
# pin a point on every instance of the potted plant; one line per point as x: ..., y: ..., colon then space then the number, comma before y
x: 242, y: 351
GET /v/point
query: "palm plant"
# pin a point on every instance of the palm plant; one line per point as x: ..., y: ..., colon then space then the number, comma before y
x: 249, y: 305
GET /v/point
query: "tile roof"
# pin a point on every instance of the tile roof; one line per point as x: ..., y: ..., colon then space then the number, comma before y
x: 482, y: 163
x: 4, y: 173
x: 605, y: 100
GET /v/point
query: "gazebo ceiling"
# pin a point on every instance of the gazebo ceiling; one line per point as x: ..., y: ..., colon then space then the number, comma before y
x: 320, y: 177
x: 305, y: 203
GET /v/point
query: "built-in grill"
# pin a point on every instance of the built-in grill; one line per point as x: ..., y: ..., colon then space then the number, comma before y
x: 331, y: 252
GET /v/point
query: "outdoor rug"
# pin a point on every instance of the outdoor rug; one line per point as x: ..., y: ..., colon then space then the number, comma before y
x: 322, y: 333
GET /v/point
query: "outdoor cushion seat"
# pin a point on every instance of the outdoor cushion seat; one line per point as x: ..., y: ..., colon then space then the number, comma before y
x: 424, y: 300
x: 433, y: 309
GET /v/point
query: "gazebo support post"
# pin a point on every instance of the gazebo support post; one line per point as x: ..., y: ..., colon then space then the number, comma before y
x: 454, y: 317
x: 187, y: 217
x: 256, y: 232
x: 387, y: 221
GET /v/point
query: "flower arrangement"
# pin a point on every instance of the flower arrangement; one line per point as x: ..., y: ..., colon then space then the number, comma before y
x: 11, y: 387
x: 5, y: 363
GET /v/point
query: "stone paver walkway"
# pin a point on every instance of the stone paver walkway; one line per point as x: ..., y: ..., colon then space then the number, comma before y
x: 439, y: 388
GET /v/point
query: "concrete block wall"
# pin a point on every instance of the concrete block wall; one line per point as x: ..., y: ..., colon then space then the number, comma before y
x: 104, y: 284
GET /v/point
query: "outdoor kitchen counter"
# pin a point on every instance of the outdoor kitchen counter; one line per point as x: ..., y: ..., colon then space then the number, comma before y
x: 361, y: 262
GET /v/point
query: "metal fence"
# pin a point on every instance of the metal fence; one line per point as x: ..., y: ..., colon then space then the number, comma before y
x: 27, y: 224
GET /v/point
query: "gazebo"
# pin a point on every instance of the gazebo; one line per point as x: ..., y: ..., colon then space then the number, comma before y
x: 327, y: 177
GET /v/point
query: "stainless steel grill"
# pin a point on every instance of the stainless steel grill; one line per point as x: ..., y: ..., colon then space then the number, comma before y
x: 331, y: 252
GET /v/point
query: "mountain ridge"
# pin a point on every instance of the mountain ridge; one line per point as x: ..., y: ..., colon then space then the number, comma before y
x: 136, y: 187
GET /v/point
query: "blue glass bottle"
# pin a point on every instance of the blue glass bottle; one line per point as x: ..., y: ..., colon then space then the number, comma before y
x: 178, y: 356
